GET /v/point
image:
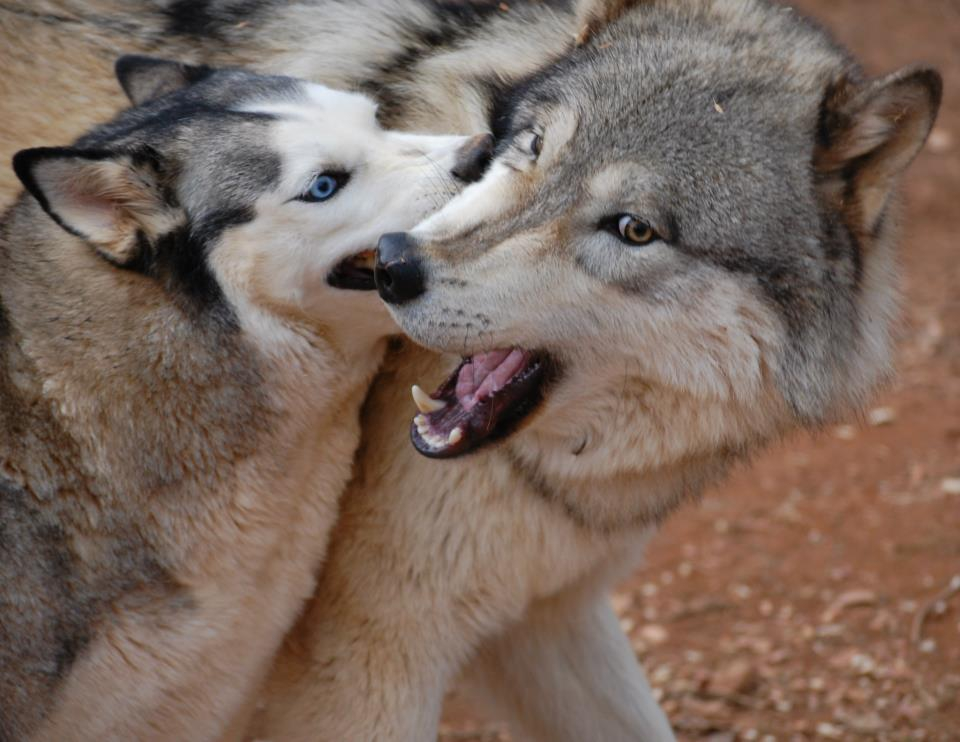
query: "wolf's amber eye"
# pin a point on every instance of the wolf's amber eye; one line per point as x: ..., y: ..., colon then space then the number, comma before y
x: 636, y: 231
x: 323, y: 187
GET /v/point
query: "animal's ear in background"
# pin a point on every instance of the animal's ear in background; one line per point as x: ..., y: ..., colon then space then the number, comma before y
x: 869, y: 135
x: 144, y: 79
x: 592, y: 15
x: 109, y: 199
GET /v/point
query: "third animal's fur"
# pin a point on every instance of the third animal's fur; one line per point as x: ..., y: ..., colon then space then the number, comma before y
x: 689, y: 221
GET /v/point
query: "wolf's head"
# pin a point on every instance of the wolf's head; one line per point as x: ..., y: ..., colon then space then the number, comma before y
x: 246, y: 197
x: 683, y: 244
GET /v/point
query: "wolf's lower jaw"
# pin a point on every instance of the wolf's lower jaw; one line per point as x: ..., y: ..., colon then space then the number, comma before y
x: 486, y: 398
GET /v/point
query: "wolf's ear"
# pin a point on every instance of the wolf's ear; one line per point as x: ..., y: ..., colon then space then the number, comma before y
x: 592, y: 15
x: 144, y: 79
x: 108, y: 199
x: 869, y: 135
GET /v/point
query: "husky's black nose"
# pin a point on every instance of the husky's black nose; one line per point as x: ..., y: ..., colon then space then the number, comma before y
x: 473, y: 158
x: 398, y: 273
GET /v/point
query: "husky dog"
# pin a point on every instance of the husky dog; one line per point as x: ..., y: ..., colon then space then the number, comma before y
x: 183, y: 352
x: 684, y: 248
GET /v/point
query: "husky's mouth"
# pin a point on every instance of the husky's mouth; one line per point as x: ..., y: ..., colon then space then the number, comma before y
x: 354, y: 273
x: 482, y: 401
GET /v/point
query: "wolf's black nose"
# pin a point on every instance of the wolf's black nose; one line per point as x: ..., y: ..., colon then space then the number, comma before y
x: 473, y: 158
x: 398, y: 273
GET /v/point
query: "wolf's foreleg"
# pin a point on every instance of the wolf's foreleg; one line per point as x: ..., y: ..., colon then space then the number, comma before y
x: 345, y: 680
x: 567, y: 673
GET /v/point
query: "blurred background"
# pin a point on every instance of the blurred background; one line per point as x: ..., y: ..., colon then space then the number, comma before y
x: 816, y: 596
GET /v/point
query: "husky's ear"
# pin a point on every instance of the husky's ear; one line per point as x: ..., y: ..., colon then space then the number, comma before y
x: 108, y: 199
x: 144, y: 79
x: 869, y: 135
x: 592, y: 15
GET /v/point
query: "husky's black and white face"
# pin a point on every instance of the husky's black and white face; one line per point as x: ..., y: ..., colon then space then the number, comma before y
x: 257, y: 200
x: 686, y: 227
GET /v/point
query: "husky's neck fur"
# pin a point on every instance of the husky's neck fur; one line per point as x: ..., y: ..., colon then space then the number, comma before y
x: 110, y: 390
x: 127, y: 382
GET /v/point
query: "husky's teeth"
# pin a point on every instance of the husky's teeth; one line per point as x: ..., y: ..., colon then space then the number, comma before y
x: 425, y: 403
x: 456, y: 435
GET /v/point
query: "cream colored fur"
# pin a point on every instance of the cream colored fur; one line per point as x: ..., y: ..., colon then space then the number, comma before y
x: 496, y: 567
x: 241, y: 545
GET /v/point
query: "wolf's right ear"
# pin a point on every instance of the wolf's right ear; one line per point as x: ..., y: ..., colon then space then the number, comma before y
x: 144, y: 79
x: 109, y: 199
x: 870, y: 134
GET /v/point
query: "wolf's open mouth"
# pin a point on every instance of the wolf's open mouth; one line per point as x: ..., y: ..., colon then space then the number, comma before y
x: 483, y: 400
x: 354, y: 273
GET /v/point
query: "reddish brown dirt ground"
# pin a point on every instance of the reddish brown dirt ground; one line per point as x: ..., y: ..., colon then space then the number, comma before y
x: 800, y: 600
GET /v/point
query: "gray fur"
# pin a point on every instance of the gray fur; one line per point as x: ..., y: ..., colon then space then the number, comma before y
x: 731, y: 118
x: 71, y: 545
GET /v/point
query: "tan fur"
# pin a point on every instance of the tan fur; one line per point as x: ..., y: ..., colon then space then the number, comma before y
x: 497, y: 565
x: 241, y: 543
x: 182, y: 462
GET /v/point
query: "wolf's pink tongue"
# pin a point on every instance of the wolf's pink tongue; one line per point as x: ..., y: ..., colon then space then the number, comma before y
x: 485, y: 374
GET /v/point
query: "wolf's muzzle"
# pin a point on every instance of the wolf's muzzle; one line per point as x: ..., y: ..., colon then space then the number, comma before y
x: 398, y: 272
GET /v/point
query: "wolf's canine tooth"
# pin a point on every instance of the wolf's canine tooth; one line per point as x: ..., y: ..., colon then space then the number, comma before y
x: 424, y: 402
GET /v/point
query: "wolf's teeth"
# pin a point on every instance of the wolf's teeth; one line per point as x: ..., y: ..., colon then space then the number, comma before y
x: 456, y: 435
x: 422, y: 425
x: 424, y: 402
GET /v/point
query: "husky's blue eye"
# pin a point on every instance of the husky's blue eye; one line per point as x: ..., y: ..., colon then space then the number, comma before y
x: 324, y: 186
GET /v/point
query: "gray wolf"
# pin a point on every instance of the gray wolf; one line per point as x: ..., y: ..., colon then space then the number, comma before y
x: 184, y: 348
x: 745, y: 288
x: 683, y: 249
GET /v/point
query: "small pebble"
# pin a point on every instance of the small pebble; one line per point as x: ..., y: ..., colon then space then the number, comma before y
x: 950, y: 486
x: 882, y: 416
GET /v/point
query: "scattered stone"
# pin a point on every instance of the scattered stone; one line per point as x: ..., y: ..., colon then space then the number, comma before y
x: 845, y: 432
x: 831, y: 631
x: 863, y: 664
x: 661, y: 675
x: 738, y: 678
x: 829, y: 731
x: 622, y: 602
x: 940, y: 141
x: 868, y: 723
x: 950, y: 486
x: 850, y: 599
x: 654, y: 634
x: 881, y: 416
